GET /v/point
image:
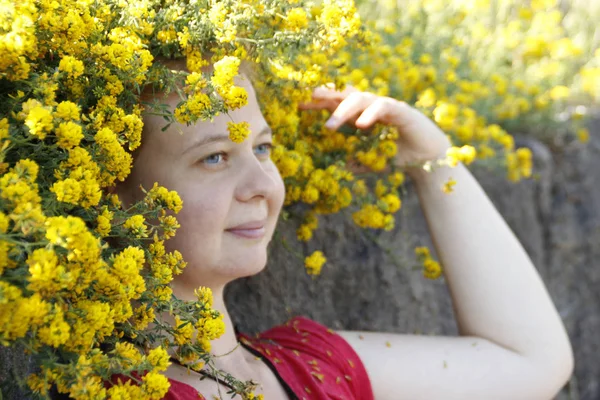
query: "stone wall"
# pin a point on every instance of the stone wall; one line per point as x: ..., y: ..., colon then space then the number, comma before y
x: 368, y: 284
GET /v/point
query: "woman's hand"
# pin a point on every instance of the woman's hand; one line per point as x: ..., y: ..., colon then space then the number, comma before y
x: 420, y: 139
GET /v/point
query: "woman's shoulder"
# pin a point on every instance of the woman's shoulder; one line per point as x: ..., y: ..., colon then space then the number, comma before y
x: 313, y: 359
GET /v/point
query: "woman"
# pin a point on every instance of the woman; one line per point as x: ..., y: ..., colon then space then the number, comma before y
x: 512, y: 343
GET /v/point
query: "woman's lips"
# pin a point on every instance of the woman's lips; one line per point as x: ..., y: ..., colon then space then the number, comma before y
x: 250, y: 230
x: 255, y: 233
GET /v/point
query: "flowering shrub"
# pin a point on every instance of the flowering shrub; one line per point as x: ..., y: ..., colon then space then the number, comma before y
x: 89, y: 277
x: 482, y: 69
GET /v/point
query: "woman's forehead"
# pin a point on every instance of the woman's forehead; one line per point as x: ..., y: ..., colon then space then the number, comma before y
x: 178, y: 137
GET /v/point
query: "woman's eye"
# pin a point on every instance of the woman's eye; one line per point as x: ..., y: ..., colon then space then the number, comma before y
x: 263, y: 149
x: 214, y: 159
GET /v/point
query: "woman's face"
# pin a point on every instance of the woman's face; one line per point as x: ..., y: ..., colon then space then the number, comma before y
x: 232, y: 192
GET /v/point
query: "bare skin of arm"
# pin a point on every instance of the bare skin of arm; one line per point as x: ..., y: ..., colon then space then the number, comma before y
x: 512, y: 344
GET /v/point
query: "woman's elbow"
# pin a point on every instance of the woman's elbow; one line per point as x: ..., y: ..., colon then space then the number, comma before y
x: 555, y: 370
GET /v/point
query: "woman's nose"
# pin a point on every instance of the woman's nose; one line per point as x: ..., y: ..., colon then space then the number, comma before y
x: 257, y: 179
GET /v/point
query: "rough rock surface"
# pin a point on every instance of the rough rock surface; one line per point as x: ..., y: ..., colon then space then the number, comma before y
x: 368, y: 283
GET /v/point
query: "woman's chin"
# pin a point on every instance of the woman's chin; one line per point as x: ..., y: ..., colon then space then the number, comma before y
x: 244, y: 264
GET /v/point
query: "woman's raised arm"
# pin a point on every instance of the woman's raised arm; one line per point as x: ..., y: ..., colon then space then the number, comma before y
x: 513, y: 344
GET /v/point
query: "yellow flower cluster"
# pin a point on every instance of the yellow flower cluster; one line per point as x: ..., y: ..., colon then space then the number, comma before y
x: 465, y: 154
x: 238, y: 132
x: 314, y: 262
x: 519, y: 164
x: 380, y: 215
x: 539, y: 66
x: 431, y: 268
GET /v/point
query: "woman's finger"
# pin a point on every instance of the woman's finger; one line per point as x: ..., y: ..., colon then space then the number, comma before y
x: 383, y: 109
x: 329, y: 92
x: 327, y: 95
x: 350, y: 108
x: 319, y: 105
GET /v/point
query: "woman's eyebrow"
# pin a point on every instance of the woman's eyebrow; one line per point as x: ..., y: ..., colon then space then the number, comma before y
x: 221, y: 137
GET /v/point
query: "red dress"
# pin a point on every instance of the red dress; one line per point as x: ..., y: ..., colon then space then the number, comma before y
x: 314, y: 361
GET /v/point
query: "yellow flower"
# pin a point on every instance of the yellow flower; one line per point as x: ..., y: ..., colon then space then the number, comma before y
x: 4, y: 128
x: 427, y: 98
x: 380, y: 188
x: 314, y: 263
x: 310, y: 195
x: 388, y: 148
x: 238, y: 132
x: 449, y: 186
x: 169, y: 225
x: 425, y: 59
x: 39, y: 121
x: 583, y: 135
x: 396, y: 179
x: 143, y: 316
x: 57, y: 331
x: 296, y: 19
x: 67, y: 190
x: 431, y: 269
x: 67, y: 111
x: 182, y: 333
x: 204, y: 296
x: 304, y: 233
x: 135, y: 224
x: 72, y: 66
x: 47, y: 276
x: 224, y: 71
x: 210, y: 328
x: 235, y: 97
x: 104, y: 222
x: 68, y: 134
x: 4, y: 221
x: 559, y: 93
x: 118, y: 161
x: 392, y: 203
x: 465, y: 154
x: 155, y: 385
x: 158, y: 358
x: 125, y: 391
x: 127, y: 351
x: 422, y: 251
x: 166, y: 198
x: 445, y: 115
